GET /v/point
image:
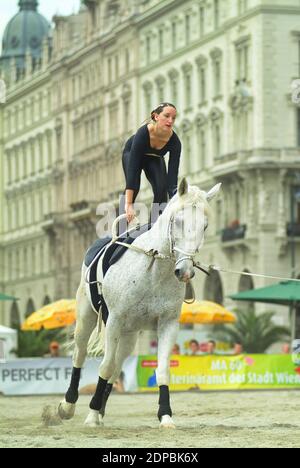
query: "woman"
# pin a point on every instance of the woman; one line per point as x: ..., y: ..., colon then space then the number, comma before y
x: 145, y: 151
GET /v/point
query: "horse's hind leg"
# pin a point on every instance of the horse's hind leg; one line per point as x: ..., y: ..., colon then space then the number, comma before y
x: 106, y: 370
x: 85, y: 323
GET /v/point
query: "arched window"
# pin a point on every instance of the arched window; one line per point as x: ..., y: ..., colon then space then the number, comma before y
x: 30, y: 308
x: 47, y: 301
x: 15, y: 316
x: 213, y: 289
x: 245, y: 284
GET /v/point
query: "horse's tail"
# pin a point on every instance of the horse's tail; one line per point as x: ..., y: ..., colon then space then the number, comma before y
x: 96, y: 344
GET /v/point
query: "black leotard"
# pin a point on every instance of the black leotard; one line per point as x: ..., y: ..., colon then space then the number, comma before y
x: 138, y: 155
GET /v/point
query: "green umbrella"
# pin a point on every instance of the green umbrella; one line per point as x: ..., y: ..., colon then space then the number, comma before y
x: 4, y: 297
x: 286, y: 293
x: 283, y: 293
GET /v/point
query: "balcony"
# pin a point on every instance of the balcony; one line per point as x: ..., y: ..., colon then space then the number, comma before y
x: 52, y: 223
x: 234, y: 232
x: 293, y: 230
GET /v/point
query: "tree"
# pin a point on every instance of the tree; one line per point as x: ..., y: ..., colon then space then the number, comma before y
x: 256, y: 333
x: 35, y: 343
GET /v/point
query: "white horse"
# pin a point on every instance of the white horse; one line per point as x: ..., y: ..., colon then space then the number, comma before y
x: 142, y: 294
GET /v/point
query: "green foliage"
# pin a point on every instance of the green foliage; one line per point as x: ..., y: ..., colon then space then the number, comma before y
x: 256, y: 333
x: 35, y: 343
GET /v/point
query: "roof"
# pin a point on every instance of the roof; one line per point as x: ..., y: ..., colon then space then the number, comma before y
x: 25, y: 31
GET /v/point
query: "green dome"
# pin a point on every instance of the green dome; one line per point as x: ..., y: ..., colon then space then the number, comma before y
x: 25, y: 31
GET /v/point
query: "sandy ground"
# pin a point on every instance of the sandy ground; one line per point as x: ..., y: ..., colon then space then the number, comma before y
x: 247, y: 419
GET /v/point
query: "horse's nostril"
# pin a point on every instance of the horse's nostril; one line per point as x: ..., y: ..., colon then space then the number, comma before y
x: 192, y: 274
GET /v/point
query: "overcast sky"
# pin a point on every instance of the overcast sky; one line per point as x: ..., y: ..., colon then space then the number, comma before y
x: 48, y: 8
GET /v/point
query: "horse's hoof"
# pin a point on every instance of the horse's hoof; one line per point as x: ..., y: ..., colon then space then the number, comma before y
x: 93, y: 419
x: 66, y: 410
x: 167, y: 422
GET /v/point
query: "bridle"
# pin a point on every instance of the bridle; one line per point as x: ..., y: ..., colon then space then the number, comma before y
x: 186, y: 255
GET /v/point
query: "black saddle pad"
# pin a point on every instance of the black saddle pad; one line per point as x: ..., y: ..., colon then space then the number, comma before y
x: 94, y: 249
x: 112, y: 255
x: 115, y: 251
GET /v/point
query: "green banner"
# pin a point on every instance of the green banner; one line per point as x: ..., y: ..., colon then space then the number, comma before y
x: 257, y: 371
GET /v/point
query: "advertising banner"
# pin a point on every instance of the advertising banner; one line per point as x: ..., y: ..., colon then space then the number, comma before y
x: 248, y: 372
x: 52, y: 375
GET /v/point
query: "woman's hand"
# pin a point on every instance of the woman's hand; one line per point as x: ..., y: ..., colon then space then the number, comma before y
x: 130, y: 213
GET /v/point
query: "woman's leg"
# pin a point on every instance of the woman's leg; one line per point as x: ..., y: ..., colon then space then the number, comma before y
x: 156, y: 173
x: 123, y: 224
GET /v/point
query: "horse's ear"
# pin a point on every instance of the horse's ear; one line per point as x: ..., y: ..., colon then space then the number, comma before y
x: 213, y: 192
x: 183, y: 187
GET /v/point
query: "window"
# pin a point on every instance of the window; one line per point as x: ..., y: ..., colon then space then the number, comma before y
x: 174, y: 34
x: 202, y: 149
x: 113, y: 119
x: 49, y: 149
x: 213, y: 288
x: 148, y: 49
x: 9, y: 168
x: 217, y: 78
x: 216, y: 56
x: 237, y: 205
x: 187, y: 28
x: 242, y: 6
x: 160, y: 84
x: 217, y: 140
x: 219, y: 213
x: 127, y: 61
x: 187, y: 144
x: 202, y: 20
x: 187, y: 69
x: 202, y: 85
x: 18, y: 165
x: 174, y: 91
x: 160, y: 92
x: 109, y: 70
x: 242, y: 59
x: 148, y: 90
x: 126, y: 115
x: 298, y: 127
x: 216, y: 13
x: 216, y: 118
x: 188, y: 90
x: 116, y: 67
x: 161, y: 42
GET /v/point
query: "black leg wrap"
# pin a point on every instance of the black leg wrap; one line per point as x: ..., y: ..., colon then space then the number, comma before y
x: 96, y: 402
x: 72, y: 393
x: 106, y: 394
x: 164, y: 402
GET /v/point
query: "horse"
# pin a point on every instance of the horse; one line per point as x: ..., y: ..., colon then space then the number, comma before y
x: 142, y: 293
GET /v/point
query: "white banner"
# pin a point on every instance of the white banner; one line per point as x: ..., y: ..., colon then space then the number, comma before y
x: 52, y: 375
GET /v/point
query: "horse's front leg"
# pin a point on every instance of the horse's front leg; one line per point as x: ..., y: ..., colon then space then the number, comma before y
x: 167, y: 335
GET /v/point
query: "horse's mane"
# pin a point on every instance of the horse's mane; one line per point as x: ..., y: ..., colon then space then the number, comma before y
x: 194, y: 196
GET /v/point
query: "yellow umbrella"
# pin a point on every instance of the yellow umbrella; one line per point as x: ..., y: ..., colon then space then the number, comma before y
x: 205, y: 312
x: 56, y: 315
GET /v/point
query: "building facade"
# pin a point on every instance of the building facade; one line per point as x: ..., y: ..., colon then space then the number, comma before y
x: 227, y: 66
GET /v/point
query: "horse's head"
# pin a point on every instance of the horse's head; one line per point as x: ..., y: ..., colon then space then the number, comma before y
x: 188, y: 222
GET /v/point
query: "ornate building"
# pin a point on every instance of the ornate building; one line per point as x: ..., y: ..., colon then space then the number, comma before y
x: 228, y: 67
